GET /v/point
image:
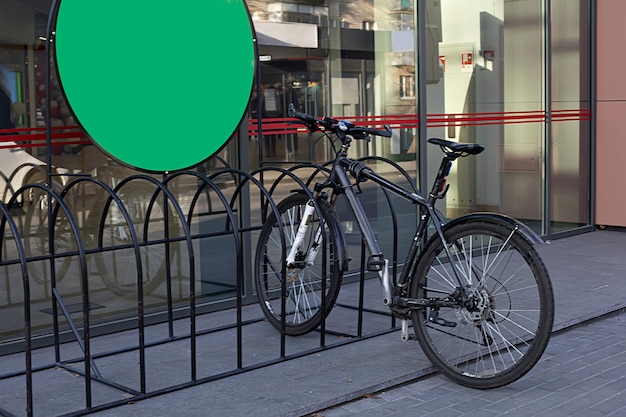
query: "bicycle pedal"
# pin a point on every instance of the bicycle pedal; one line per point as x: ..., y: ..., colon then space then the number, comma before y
x: 410, y: 336
x: 375, y: 263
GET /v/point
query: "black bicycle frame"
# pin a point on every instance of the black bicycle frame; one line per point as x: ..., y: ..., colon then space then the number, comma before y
x: 341, y: 184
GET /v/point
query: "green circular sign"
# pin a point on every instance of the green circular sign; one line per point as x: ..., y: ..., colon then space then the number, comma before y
x: 158, y: 86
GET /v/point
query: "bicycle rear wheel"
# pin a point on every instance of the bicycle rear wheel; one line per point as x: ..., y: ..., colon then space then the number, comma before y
x: 502, y: 320
x: 303, y: 297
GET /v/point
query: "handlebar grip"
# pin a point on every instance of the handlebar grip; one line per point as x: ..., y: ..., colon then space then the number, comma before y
x: 307, y: 118
x: 385, y: 133
x: 371, y: 131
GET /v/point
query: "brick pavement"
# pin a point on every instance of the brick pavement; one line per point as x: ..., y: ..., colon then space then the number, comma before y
x: 582, y: 373
x: 581, y: 370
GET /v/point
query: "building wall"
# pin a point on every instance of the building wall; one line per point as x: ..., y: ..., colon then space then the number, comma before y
x: 611, y: 108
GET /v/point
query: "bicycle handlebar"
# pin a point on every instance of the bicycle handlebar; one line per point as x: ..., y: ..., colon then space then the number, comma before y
x: 340, y: 127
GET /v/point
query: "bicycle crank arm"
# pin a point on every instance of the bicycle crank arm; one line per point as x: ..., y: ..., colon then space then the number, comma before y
x: 419, y: 303
x: 435, y: 319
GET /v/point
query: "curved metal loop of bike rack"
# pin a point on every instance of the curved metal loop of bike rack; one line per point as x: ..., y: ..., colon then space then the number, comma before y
x: 283, y: 173
x: 28, y: 360
x: 266, y: 199
x: 205, y: 182
x: 243, y: 179
x: 56, y: 203
x: 113, y: 197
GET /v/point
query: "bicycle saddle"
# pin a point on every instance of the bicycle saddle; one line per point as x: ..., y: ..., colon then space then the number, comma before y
x: 458, y: 148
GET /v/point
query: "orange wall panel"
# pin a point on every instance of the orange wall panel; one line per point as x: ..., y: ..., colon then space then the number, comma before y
x: 611, y: 114
x: 610, y: 166
x: 610, y: 50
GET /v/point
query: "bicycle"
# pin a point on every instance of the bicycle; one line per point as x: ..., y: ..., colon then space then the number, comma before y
x: 475, y: 289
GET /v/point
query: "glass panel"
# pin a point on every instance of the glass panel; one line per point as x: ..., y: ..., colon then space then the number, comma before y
x: 112, y: 274
x: 343, y: 61
x: 569, y: 187
x: 383, y: 74
x: 491, y: 93
x: 363, y: 69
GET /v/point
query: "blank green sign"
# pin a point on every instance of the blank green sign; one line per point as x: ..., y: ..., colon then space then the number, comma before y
x: 158, y: 85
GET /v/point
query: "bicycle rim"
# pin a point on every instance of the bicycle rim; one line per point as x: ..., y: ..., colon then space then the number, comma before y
x: 500, y: 331
x: 304, y: 286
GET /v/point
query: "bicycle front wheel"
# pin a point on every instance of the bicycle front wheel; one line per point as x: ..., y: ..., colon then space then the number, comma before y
x: 502, y: 318
x: 313, y: 283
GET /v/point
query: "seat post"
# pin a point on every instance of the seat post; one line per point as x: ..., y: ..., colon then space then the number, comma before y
x: 439, y: 185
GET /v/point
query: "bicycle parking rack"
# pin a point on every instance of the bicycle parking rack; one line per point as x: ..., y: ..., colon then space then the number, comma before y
x: 87, y: 363
x: 115, y: 368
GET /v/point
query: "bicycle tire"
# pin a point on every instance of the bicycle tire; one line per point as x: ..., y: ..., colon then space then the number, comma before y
x: 303, y: 291
x: 500, y: 333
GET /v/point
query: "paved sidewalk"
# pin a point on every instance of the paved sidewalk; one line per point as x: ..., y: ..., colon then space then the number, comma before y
x: 582, y: 373
x: 589, y: 277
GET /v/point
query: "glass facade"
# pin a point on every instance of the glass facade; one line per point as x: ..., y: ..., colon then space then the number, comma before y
x: 491, y: 68
x: 486, y: 71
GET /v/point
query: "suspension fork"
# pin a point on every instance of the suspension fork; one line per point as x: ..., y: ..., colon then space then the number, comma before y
x: 309, y: 210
